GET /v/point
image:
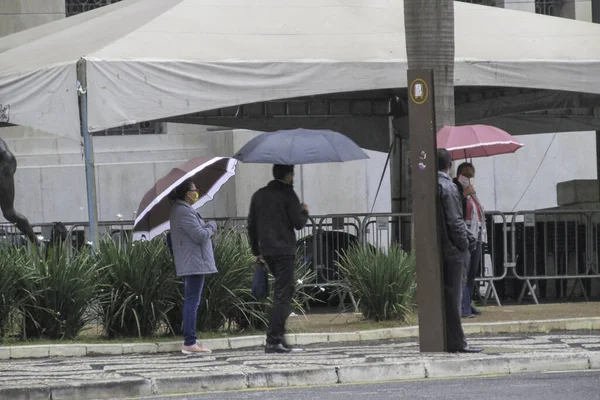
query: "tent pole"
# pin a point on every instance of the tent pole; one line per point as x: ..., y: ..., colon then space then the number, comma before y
x: 88, y: 146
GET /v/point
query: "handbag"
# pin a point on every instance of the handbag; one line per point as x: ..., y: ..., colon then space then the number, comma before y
x: 260, y: 282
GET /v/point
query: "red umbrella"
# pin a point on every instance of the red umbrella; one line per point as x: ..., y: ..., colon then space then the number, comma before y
x: 208, y: 174
x: 472, y: 141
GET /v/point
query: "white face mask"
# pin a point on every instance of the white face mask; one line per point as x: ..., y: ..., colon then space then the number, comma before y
x: 464, y: 181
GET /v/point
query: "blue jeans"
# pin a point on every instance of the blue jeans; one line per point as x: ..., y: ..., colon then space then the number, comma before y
x: 192, y: 291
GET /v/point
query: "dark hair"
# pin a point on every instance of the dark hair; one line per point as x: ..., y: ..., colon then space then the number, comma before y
x: 280, y: 171
x: 444, y: 160
x: 464, y: 167
x: 180, y: 191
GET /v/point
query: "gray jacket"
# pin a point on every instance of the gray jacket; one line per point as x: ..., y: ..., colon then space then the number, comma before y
x: 455, y: 236
x: 191, y: 240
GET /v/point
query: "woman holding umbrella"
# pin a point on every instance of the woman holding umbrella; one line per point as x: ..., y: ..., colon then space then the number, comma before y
x: 194, y: 257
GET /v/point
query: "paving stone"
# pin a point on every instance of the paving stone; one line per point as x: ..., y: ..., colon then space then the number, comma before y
x: 293, y: 377
x: 579, y: 324
x: 246, y: 341
x: 113, y: 389
x: 194, y: 383
x: 520, y: 363
x: 343, y: 337
x: 30, y: 351
x: 216, y: 344
x: 104, y: 349
x: 170, y: 347
x: 4, y: 353
x: 68, y: 350
x: 303, y: 339
x: 381, y: 372
x: 404, y: 333
x: 140, y: 348
x: 26, y: 392
x: 465, y: 365
x: 378, y: 334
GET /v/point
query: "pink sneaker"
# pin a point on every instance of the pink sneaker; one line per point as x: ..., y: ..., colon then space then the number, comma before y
x: 195, y: 349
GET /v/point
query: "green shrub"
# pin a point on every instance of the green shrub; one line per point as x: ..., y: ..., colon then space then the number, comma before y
x: 63, y: 289
x: 227, y: 302
x: 139, y: 287
x: 385, y: 284
x: 14, y: 280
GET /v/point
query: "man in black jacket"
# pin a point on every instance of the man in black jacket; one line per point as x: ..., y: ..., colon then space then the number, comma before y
x: 275, y: 211
x: 455, y: 250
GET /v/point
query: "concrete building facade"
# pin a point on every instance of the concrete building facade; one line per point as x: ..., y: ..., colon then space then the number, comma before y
x: 51, y: 179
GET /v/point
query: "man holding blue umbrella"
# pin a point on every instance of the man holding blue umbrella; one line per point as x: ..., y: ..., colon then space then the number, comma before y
x: 275, y: 211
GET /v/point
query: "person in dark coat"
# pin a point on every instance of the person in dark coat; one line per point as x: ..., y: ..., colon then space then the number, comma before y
x: 455, y: 250
x: 194, y: 258
x: 275, y: 212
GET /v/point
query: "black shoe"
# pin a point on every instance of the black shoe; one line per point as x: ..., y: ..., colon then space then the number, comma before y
x: 467, y: 349
x: 277, y: 348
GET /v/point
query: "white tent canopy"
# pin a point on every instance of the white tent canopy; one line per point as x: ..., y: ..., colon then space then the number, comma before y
x: 153, y: 59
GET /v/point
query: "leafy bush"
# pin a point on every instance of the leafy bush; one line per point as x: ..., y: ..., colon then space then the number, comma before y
x: 385, y: 284
x: 227, y: 302
x: 62, y: 291
x: 139, y: 286
x: 14, y: 278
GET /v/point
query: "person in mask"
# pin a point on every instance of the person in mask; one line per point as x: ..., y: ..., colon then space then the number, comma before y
x: 474, y: 215
x: 275, y: 211
x: 194, y: 258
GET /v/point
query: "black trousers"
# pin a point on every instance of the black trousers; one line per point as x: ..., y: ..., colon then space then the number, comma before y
x: 454, y: 269
x: 282, y: 268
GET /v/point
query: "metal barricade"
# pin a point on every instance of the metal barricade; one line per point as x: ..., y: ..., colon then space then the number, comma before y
x: 381, y: 230
x: 556, y: 250
x: 494, y: 257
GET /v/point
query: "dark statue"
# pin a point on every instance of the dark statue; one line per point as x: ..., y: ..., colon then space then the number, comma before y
x: 8, y: 167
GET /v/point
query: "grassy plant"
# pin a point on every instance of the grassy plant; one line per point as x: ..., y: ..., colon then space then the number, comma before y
x: 14, y: 279
x: 385, y: 284
x: 139, y: 286
x: 227, y: 300
x: 63, y: 289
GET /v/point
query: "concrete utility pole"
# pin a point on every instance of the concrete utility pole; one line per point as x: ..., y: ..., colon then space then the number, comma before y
x: 429, y: 27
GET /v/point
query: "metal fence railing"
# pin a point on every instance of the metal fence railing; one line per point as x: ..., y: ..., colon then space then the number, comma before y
x: 553, y: 254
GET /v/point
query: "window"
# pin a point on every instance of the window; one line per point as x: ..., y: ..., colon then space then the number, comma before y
x: 548, y: 7
x: 143, y: 128
x: 492, y: 3
x: 75, y: 7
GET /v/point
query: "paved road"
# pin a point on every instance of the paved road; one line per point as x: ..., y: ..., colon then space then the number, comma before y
x: 550, y: 386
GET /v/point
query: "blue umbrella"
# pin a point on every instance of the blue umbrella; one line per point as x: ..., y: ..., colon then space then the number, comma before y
x: 300, y: 146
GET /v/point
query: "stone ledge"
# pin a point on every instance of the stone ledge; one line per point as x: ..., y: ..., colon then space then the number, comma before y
x: 381, y: 372
x: 292, y: 377
x: 195, y: 383
x: 107, y: 389
x: 77, y: 350
x: 546, y: 362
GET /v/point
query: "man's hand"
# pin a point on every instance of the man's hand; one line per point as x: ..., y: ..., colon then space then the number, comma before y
x: 305, y: 208
x: 468, y: 191
x: 260, y: 260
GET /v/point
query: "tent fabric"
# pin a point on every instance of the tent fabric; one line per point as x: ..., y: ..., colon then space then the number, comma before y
x: 153, y: 59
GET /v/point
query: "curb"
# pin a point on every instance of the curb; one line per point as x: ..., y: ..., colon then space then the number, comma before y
x: 459, y: 366
x: 301, y: 339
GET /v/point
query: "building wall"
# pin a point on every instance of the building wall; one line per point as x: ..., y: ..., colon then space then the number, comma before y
x: 50, y: 181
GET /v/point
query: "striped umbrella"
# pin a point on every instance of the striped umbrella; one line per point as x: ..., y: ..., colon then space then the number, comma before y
x: 208, y: 174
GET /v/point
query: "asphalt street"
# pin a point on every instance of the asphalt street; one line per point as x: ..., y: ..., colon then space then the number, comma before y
x: 583, y: 385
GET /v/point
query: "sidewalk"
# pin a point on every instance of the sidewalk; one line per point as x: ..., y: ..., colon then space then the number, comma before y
x: 325, y: 363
